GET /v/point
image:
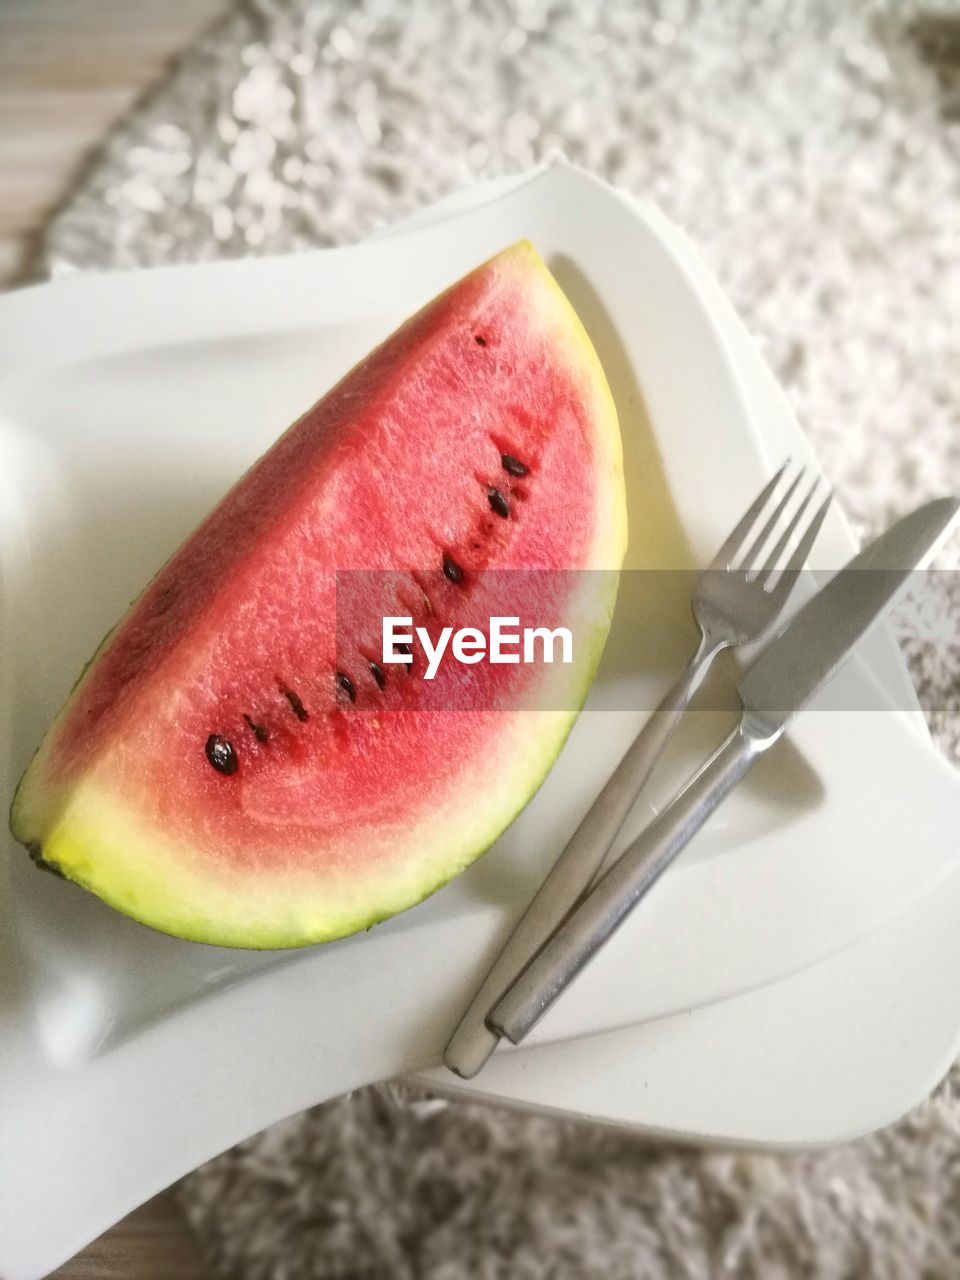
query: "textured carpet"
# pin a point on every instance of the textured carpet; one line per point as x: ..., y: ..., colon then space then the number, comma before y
x: 816, y: 160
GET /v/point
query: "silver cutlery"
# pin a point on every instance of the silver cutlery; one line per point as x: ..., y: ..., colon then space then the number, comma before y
x: 737, y: 599
x: 791, y: 669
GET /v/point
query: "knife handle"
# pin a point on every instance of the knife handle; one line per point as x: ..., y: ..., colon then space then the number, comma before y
x: 607, y: 905
x: 580, y: 863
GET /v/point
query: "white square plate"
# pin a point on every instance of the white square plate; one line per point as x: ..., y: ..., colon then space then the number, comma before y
x: 127, y: 405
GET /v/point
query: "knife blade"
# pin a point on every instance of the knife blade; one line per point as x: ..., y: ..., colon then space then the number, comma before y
x: 808, y: 650
x: 793, y: 667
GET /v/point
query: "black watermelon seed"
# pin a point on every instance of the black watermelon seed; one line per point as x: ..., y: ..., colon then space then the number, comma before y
x: 258, y: 731
x: 513, y: 466
x: 221, y: 754
x: 452, y: 570
x: 299, y: 710
x: 347, y: 685
x: 407, y: 653
x: 479, y: 339
x: 498, y: 502
x: 378, y: 674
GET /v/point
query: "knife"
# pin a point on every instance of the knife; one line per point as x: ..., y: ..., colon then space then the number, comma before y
x: 787, y: 674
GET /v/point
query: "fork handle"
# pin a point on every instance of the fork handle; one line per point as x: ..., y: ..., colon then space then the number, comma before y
x: 576, y: 868
x: 605, y: 908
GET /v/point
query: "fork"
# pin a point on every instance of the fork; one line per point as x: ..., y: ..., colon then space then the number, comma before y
x: 734, y: 603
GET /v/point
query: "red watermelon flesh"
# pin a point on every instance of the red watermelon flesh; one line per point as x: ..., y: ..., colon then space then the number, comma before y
x: 237, y: 765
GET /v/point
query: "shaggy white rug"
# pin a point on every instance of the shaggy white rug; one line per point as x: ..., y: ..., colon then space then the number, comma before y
x: 812, y: 151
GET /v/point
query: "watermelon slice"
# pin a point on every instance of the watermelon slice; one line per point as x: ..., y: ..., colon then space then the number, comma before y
x: 237, y: 765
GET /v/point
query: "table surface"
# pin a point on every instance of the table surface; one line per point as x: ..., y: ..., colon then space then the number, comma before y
x: 68, y: 70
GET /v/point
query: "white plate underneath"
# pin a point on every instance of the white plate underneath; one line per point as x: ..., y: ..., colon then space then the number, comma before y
x: 127, y: 1058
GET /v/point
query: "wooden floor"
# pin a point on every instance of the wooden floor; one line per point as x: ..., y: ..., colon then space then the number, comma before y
x: 68, y: 69
x: 152, y: 1244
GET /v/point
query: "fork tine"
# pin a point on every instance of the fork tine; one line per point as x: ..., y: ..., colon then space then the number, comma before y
x: 736, y: 538
x: 748, y: 562
x: 799, y: 558
x: 773, y: 559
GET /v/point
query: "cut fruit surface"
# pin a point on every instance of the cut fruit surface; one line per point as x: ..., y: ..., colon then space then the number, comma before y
x: 238, y: 764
